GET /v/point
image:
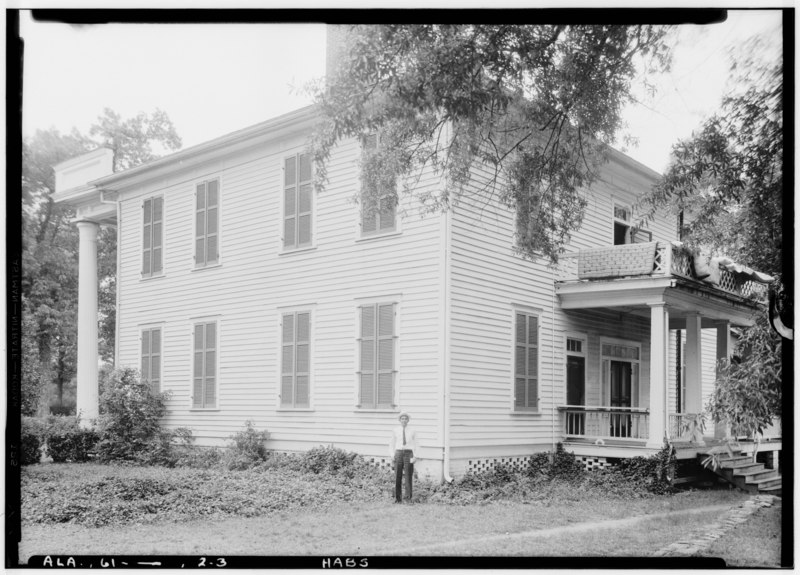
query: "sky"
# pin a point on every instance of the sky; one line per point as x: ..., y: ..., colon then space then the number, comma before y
x: 214, y: 79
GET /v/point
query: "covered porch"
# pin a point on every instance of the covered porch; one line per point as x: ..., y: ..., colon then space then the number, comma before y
x: 656, y: 282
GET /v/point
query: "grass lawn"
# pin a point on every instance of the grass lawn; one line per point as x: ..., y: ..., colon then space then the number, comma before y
x: 359, y: 521
x: 755, y: 543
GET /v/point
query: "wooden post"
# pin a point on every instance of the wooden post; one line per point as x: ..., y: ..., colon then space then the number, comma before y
x: 88, y: 407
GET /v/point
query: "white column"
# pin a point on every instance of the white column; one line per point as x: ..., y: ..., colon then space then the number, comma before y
x: 87, y: 393
x: 659, y: 324
x: 694, y: 364
x: 722, y: 429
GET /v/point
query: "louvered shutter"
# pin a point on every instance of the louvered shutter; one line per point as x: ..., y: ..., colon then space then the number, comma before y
x: 367, y: 371
x: 604, y: 399
x: 526, y: 362
x: 212, y: 222
x: 385, y: 355
x: 199, y: 364
x: 287, y: 360
x: 210, y: 391
x: 158, y: 232
x: 302, y: 364
x: 200, y: 225
x: 147, y: 238
x: 290, y: 203
x: 519, y: 362
x: 533, y: 362
x: 145, y: 375
x: 155, y: 359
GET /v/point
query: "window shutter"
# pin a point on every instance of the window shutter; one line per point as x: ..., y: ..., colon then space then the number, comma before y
x: 526, y: 362
x: 385, y: 355
x: 158, y: 231
x: 212, y: 222
x: 197, y: 387
x: 604, y: 388
x: 368, y: 339
x: 145, y: 375
x: 533, y: 361
x: 147, y: 231
x: 155, y: 359
x: 290, y: 202
x: 287, y: 360
x: 634, y: 385
x: 210, y: 396
x: 200, y: 225
x: 303, y: 364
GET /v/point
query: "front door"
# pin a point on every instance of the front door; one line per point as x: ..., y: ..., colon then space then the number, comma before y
x: 620, y: 396
x: 576, y: 370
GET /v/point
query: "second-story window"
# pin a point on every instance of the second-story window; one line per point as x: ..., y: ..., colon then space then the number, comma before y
x: 206, y: 251
x: 152, y: 236
x: 378, y: 197
x: 297, y: 200
x: 624, y: 232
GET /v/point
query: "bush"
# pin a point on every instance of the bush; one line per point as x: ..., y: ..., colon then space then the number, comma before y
x: 67, y: 441
x: 559, y: 465
x: 30, y: 441
x: 654, y: 473
x: 248, y: 448
x: 332, y: 460
x: 129, y: 423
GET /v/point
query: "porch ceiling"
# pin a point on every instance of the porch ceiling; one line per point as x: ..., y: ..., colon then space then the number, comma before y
x: 682, y: 297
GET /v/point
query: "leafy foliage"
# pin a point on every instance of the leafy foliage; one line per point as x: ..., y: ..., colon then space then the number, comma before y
x: 653, y: 473
x: 30, y: 441
x: 68, y: 441
x: 129, y: 423
x: 523, y: 112
x: 332, y: 460
x: 248, y: 448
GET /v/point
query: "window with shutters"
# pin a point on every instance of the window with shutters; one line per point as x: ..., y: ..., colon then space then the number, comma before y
x: 151, y: 357
x: 295, y: 359
x: 297, y: 201
x: 152, y: 236
x: 206, y: 249
x: 204, y: 372
x: 377, y: 373
x: 378, y: 206
x: 526, y: 362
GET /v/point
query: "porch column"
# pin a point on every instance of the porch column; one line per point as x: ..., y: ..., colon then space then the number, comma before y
x: 87, y: 393
x: 722, y: 429
x: 659, y: 324
x: 694, y: 364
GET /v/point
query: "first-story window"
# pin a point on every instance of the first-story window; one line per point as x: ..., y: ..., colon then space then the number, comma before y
x: 377, y: 356
x: 204, y: 382
x: 151, y: 358
x: 295, y: 359
x: 526, y: 362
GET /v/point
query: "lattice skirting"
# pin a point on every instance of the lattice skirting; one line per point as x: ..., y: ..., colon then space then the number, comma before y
x: 592, y: 463
x: 515, y: 463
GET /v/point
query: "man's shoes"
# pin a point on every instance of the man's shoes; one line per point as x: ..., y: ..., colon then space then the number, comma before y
x: 397, y: 501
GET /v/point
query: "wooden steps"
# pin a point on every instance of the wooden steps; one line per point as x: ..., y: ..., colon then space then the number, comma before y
x: 751, y: 477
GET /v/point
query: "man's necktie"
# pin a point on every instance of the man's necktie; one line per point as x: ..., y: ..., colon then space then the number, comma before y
x: 404, y: 437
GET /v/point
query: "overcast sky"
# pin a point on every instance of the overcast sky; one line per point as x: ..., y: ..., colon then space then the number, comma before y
x: 217, y: 78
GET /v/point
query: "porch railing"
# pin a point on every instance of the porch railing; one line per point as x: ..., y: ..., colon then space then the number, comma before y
x: 605, y: 422
x: 678, y: 422
x: 653, y: 259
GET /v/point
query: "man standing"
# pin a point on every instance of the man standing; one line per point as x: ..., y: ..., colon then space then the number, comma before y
x: 402, y: 447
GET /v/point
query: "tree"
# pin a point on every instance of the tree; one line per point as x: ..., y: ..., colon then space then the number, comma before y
x: 50, y: 241
x: 729, y: 177
x: 535, y: 105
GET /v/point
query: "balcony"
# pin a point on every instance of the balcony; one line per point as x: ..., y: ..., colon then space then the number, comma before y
x: 659, y: 260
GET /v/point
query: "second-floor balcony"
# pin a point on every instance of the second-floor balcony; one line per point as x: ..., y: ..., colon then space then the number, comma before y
x: 661, y: 260
x: 632, y: 277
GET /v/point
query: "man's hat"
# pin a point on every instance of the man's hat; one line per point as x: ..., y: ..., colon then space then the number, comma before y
x: 404, y: 414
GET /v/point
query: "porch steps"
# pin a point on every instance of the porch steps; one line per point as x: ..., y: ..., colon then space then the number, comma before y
x: 744, y: 474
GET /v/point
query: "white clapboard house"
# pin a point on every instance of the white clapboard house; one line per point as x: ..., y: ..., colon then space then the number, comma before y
x: 250, y: 297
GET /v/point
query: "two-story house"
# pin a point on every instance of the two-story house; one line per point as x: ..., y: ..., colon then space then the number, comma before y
x: 249, y: 296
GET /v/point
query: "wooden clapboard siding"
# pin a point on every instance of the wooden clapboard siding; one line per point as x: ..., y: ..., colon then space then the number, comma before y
x: 488, y: 280
x: 257, y: 281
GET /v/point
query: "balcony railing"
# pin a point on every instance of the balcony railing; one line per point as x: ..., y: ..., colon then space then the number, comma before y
x: 652, y: 259
x: 605, y: 422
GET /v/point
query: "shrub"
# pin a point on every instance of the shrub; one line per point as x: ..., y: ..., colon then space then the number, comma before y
x: 332, y: 460
x: 67, y: 441
x: 565, y: 466
x: 248, y: 448
x: 30, y: 441
x: 654, y: 473
x: 129, y: 423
